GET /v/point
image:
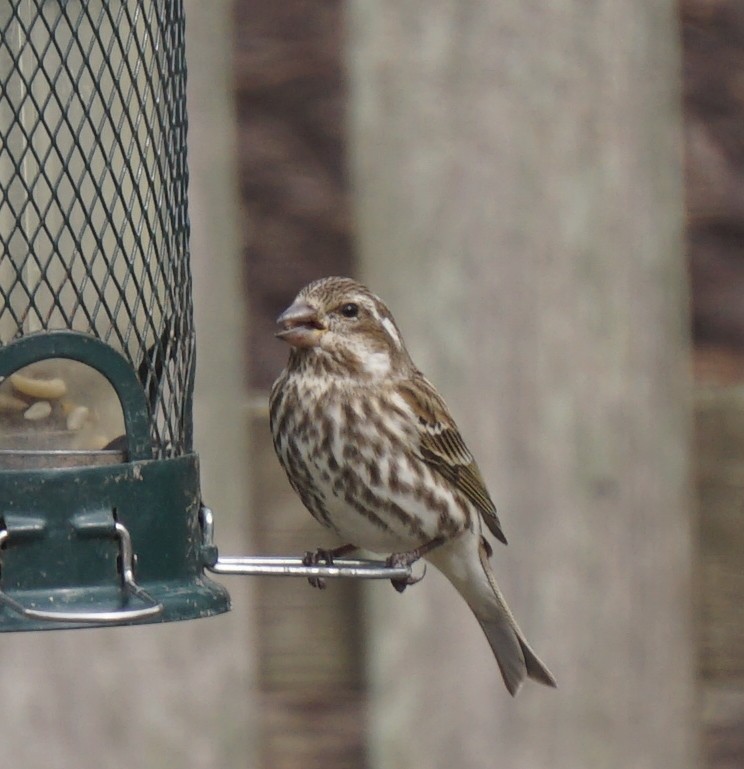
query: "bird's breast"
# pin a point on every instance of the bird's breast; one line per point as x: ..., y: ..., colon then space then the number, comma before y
x: 350, y: 454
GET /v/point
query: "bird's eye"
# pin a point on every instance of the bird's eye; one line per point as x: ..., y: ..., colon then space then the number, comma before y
x: 350, y: 310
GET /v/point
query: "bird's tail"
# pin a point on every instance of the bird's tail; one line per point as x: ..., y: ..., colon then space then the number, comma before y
x: 477, y: 584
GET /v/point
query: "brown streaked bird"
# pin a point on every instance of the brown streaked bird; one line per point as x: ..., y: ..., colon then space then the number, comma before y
x: 371, y: 449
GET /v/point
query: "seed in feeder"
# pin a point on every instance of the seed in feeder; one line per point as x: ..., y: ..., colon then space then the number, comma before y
x: 77, y: 418
x: 38, y: 411
x: 9, y: 403
x: 47, y: 389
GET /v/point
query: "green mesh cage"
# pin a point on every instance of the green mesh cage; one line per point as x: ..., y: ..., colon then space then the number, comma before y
x: 93, y: 179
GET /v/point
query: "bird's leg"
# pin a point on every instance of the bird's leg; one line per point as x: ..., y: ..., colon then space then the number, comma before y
x: 321, y: 555
x: 408, y: 559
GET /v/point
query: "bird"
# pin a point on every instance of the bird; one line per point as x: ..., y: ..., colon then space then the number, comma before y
x: 371, y: 449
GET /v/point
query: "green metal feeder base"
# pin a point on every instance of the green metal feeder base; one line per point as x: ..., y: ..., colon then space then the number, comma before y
x: 104, y: 545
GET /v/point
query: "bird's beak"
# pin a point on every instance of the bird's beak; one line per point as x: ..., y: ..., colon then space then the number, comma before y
x: 302, y: 327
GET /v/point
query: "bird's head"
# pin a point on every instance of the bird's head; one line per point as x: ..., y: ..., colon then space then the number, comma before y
x: 342, y: 324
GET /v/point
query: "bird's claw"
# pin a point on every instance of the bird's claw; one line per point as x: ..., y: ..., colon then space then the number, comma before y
x: 315, y: 557
x: 324, y: 556
x: 396, y: 560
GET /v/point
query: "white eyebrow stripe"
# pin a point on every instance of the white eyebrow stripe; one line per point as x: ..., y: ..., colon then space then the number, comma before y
x: 392, y: 332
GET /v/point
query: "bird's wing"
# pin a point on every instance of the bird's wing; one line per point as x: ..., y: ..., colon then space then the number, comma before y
x: 442, y: 447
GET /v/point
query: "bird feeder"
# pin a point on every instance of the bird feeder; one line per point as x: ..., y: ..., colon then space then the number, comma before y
x: 101, y: 519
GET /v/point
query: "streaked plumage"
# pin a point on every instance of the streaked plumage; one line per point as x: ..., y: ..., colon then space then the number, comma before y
x: 371, y: 449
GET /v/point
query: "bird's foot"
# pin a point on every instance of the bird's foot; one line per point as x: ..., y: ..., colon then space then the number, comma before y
x: 396, y: 560
x: 321, y: 555
x: 408, y: 559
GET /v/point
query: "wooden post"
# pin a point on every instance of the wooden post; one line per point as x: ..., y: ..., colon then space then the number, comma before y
x: 519, y: 198
x: 719, y: 443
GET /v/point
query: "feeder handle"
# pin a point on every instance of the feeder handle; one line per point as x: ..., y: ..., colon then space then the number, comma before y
x: 115, y: 617
x: 99, y: 356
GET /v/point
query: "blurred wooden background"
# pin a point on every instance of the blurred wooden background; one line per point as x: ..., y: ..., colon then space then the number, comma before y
x: 291, y: 86
x: 296, y: 678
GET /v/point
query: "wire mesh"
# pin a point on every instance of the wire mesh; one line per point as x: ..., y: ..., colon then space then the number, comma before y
x: 93, y: 178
